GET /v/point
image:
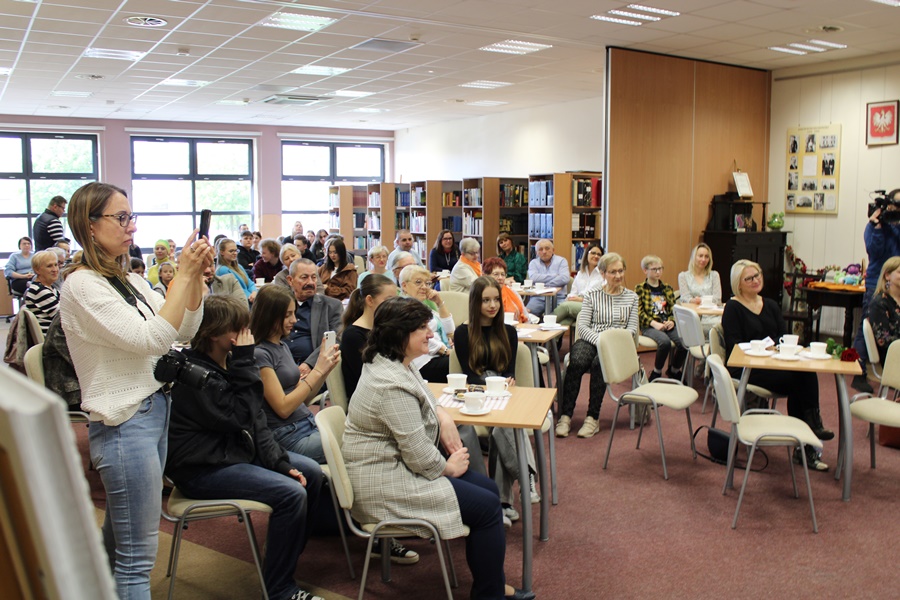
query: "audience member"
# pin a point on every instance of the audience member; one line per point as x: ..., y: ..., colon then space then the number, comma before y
x: 226, y: 258
x: 318, y: 247
x: 61, y: 259
x: 223, y: 285
x: 316, y: 314
x: 160, y: 255
x: 242, y: 228
x: 296, y: 230
x: 588, y: 276
x: 415, y: 282
x: 268, y: 265
x: 247, y: 256
x: 467, y: 269
x: 516, y: 264
x: 42, y: 297
x: 338, y: 275
x: 512, y: 302
x: 403, y: 242
x: 18, y: 267
x: 257, y: 238
x: 134, y: 251
x: 357, y: 323
x: 401, y: 261
x: 289, y: 253
x: 138, y: 267
x: 116, y: 336
x: 48, y: 229
x: 173, y: 251
x: 302, y: 244
x: 884, y: 312
x: 445, y: 253
x: 552, y: 271
x: 378, y: 256
x: 311, y: 238
x: 286, y: 391
x: 209, y: 457
x: 166, y: 275
x: 700, y: 280
x: 657, y: 319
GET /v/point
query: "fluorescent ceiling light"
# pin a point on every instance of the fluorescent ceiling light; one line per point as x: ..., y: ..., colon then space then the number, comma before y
x: 515, y: 47
x: 482, y: 84
x: 787, y: 50
x: 808, y: 47
x: 830, y: 44
x: 319, y: 70
x: 296, y: 22
x: 184, y: 82
x: 5, y: 70
x: 233, y: 102
x: 634, y: 15
x: 615, y: 20
x: 370, y: 110
x: 114, y: 54
x: 65, y: 94
x: 352, y: 94
x: 888, y: 2
x: 486, y: 103
x: 656, y: 11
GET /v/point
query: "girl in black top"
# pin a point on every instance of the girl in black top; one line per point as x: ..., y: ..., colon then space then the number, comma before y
x: 357, y: 320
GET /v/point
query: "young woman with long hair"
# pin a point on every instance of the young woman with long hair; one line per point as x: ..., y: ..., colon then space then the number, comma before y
x: 337, y: 274
x: 226, y: 258
x: 357, y: 320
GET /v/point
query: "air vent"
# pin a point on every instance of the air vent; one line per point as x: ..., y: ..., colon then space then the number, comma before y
x: 385, y: 46
x: 292, y: 100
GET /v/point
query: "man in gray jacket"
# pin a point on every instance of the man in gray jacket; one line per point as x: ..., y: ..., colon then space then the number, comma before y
x: 316, y: 314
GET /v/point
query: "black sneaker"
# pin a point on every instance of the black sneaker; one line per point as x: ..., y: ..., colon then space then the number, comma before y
x: 400, y: 554
x: 654, y: 375
x: 812, y: 459
x: 861, y: 384
x: 304, y: 595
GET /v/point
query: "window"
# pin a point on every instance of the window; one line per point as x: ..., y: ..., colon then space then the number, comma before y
x: 308, y: 169
x: 173, y: 179
x: 35, y: 167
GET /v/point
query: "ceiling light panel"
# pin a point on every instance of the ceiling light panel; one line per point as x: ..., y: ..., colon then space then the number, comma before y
x: 486, y: 103
x: 130, y: 55
x: 808, y: 47
x: 184, y: 82
x: 829, y: 44
x: 787, y: 50
x: 656, y: 11
x: 5, y: 70
x: 616, y: 20
x: 67, y: 94
x: 319, y: 70
x: 634, y: 15
x: 284, y: 20
x: 483, y: 84
x: 888, y: 2
x: 352, y: 94
x: 515, y: 47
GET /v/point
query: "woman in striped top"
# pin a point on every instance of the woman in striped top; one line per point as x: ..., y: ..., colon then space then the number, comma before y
x: 42, y: 298
x: 608, y: 307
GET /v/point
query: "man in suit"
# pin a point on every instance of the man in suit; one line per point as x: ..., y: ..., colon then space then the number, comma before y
x: 316, y: 314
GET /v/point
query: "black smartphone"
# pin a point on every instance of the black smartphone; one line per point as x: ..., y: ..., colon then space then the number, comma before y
x: 205, y: 218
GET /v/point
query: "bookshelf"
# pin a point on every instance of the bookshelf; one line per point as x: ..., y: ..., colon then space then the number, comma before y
x: 427, y: 211
x: 513, y: 203
x: 450, y: 193
x: 492, y: 205
x: 347, y: 214
x: 380, y: 215
x: 568, y: 209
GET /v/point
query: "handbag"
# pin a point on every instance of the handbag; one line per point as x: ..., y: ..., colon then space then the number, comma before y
x: 717, y: 445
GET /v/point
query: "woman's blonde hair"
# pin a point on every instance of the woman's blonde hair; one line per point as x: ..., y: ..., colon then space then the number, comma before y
x: 890, y: 265
x: 87, y: 205
x: 608, y: 259
x: 737, y: 271
x: 41, y: 259
x: 410, y: 271
x: 237, y: 269
x: 691, y: 264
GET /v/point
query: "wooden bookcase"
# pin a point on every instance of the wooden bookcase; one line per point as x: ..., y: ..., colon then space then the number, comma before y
x: 555, y: 212
x: 490, y: 201
x: 347, y: 214
x: 427, y: 211
x: 380, y: 215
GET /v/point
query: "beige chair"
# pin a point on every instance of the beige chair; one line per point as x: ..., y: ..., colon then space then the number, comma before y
x: 756, y: 428
x: 182, y: 510
x: 34, y: 368
x: 337, y: 391
x: 691, y: 333
x: 877, y: 410
x: 360, y: 262
x: 458, y: 305
x: 619, y: 363
x: 872, y: 350
x: 331, y: 426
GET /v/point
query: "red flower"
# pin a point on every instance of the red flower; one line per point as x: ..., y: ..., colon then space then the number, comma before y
x: 849, y: 355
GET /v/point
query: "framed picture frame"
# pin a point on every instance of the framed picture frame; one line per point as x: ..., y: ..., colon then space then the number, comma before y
x: 881, y: 122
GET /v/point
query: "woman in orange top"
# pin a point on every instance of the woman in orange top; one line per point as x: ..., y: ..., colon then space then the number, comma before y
x: 496, y: 267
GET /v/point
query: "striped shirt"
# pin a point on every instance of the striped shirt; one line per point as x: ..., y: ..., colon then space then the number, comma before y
x: 602, y: 311
x: 43, y: 302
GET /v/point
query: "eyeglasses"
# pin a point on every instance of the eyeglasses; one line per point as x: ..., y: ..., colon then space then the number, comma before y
x: 753, y: 278
x: 656, y: 269
x: 420, y: 283
x: 595, y: 254
x: 499, y: 274
x: 616, y: 272
x: 123, y: 218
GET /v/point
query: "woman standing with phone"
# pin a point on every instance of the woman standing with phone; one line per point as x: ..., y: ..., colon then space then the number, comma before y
x: 116, y: 335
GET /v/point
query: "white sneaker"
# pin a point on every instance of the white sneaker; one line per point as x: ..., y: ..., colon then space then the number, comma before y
x: 304, y: 595
x: 590, y: 428
x: 511, y: 513
x: 563, y: 426
x: 535, y: 496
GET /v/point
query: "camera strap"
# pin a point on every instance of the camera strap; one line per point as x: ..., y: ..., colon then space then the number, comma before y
x: 130, y: 294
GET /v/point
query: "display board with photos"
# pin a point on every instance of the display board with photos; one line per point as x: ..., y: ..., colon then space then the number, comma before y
x: 813, y: 167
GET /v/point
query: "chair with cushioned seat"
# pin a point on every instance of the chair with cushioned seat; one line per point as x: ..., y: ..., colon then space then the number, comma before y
x: 691, y: 333
x: 874, y: 359
x: 458, y: 305
x: 34, y: 368
x: 878, y: 410
x: 331, y: 423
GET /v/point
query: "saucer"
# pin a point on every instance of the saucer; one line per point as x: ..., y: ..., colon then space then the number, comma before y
x: 552, y: 327
x: 787, y: 357
x: 474, y: 413
x: 503, y: 394
x: 810, y: 356
x: 762, y: 354
x: 449, y: 390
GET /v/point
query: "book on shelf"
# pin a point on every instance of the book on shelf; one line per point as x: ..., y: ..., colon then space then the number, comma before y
x: 360, y: 196
x: 401, y: 220
x: 451, y: 199
x: 334, y: 199
x: 374, y: 199
x: 359, y: 220
x: 417, y: 221
x: 513, y: 195
x: 374, y: 221
x: 359, y: 242
x: 472, y: 197
x: 402, y: 197
x: 473, y: 223
x: 418, y: 197
x: 373, y: 240
x: 540, y: 192
x: 514, y: 224
x: 334, y: 221
x: 453, y: 223
x: 540, y: 225
x: 584, y: 225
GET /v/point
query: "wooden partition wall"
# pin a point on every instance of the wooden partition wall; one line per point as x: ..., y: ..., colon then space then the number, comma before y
x: 675, y: 128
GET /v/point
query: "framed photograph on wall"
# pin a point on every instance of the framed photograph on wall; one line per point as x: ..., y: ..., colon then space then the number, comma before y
x: 813, y: 170
x: 881, y: 123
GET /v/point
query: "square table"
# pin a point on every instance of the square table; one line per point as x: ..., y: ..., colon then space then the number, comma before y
x: 527, y: 408
x: 548, y: 292
x: 837, y: 368
x: 543, y: 337
x: 817, y: 297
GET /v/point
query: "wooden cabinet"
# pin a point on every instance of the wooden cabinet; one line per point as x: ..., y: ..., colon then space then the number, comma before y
x: 764, y: 247
x: 347, y: 214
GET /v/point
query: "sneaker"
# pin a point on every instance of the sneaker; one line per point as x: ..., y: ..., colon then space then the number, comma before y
x: 506, y: 522
x: 812, y: 459
x: 511, y: 513
x: 400, y: 554
x: 563, y: 426
x: 674, y: 374
x: 304, y: 595
x: 654, y: 375
x: 590, y: 428
x: 861, y: 384
x: 535, y: 496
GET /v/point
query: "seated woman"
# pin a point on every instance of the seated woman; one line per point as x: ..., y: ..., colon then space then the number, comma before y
x: 700, y: 280
x: 884, y: 308
x: 337, y: 274
x: 516, y: 264
x: 286, y: 394
x: 138, y: 267
x: 434, y: 365
x: 166, y: 275
x: 18, y: 267
x: 749, y: 316
x: 487, y: 347
x: 467, y: 268
x: 610, y: 306
x: 209, y: 455
x: 657, y: 319
x: 318, y: 245
x: 160, y: 255
x: 445, y: 253
x: 397, y: 470
x: 42, y: 297
x: 289, y: 253
x: 512, y: 302
x: 268, y: 265
x: 357, y: 320
x: 226, y: 259
x: 588, y: 276
x: 378, y: 257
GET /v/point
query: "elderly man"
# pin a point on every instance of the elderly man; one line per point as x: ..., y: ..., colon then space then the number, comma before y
x: 316, y: 314
x: 401, y: 260
x: 549, y: 269
x: 48, y: 229
x: 403, y: 243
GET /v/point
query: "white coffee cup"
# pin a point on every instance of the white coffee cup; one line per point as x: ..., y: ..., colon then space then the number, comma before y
x: 549, y: 319
x: 539, y: 285
x: 457, y: 381
x: 516, y: 285
x: 758, y: 346
x: 509, y: 317
x: 706, y: 301
x: 495, y: 385
x: 528, y: 283
x: 474, y: 401
x: 818, y: 349
x: 260, y: 280
x: 790, y: 340
x: 788, y: 349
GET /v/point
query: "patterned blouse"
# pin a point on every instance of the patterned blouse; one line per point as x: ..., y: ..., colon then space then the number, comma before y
x: 884, y: 317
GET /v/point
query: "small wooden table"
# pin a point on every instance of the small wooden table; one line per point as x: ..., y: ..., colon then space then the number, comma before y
x: 527, y: 408
x: 703, y: 310
x: 541, y: 337
x: 548, y: 292
x: 817, y: 297
x: 836, y: 367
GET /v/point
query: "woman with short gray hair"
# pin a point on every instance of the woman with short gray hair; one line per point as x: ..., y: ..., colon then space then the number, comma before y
x: 467, y: 269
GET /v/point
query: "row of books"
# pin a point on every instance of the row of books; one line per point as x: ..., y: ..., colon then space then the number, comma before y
x: 417, y: 222
x: 334, y: 221
x: 472, y: 197
x: 401, y: 220
x: 359, y: 220
x: 372, y: 240
x: 514, y: 224
x: 374, y: 221
x: 375, y: 199
x: 359, y: 242
x: 453, y: 223
x: 402, y: 197
x: 451, y: 199
x: 473, y: 223
x: 586, y: 192
x: 540, y: 225
x: 513, y: 195
x: 584, y: 225
x: 418, y: 197
x: 540, y: 193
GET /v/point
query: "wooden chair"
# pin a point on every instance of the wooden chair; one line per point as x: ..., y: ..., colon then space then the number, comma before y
x: 797, y: 311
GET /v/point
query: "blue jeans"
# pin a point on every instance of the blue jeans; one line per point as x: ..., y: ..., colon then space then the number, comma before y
x: 130, y: 458
x: 291, y: 503
x: 301, y: 437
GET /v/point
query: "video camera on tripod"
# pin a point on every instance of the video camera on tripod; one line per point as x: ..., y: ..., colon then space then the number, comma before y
x: 883, y: 202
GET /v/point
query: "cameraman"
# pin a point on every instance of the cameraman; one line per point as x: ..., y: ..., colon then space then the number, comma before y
x: 882, y: 237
